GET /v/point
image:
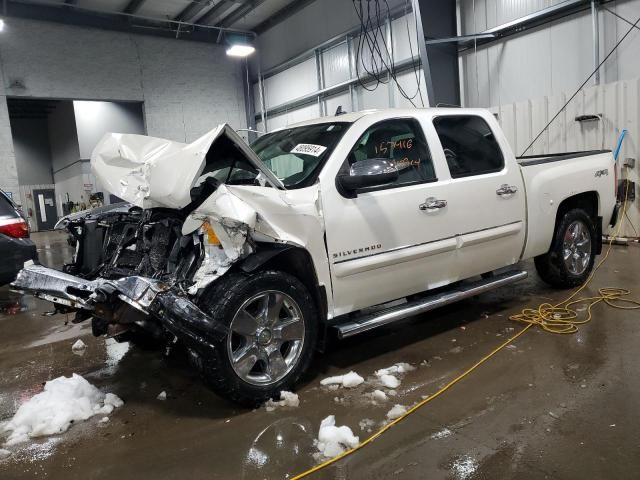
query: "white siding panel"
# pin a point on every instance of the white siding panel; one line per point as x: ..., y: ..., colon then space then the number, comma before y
x: 335, y: 65
x: 332, y: 103
x: 299, y: 80
x: 409, y: 84
x: 293, y: 116
x: 405, y: 39
x: 376, y: 98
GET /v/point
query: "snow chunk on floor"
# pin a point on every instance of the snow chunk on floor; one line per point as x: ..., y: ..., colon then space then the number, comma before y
x: 389, y: 381
x: 396, y: 412
x: 162, y: 395
x: 400, y: 367
x: 366, y: 424
x: 79, y: 347
x: 349, y: 380
x: 63, y: 401
x: 287, y: 399
x: 115, y: 351
x: 4, y: 454
x: 332, y: 440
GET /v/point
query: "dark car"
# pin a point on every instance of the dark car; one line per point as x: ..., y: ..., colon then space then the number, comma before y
x: 15, y: 245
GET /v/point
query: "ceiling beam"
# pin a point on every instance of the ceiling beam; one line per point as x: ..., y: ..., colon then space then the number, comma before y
x: 282, y: 15
x: 118, y: 20
x: 240, y: 12
x: 192, y: 10
x: 213, y: 13
x: 133, y: 6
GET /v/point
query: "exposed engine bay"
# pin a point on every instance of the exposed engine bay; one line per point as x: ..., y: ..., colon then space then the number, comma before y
x: 144, y: 263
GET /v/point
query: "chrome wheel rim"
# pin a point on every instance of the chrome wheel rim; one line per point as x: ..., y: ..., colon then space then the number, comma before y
x: 266, y: 338
x: 576, y: 248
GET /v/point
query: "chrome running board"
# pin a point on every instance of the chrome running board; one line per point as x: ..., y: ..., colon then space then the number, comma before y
x: 370, y: 321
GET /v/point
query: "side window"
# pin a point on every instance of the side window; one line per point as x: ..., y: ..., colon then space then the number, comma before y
x: 402, y: 141
x: 469, y: 145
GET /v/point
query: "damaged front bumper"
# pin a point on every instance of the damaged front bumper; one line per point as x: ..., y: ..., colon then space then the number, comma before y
x: 111, y: 302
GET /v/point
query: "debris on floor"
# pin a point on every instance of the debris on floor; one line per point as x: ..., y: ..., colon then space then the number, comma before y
x: 348, y: 380
x: 52, y: 411
x: 4, y: 454
x: 162, y: 396
x: 367, y: 424
x: 79, y: 348
x: 287, y: 399
x: 332, y: 440
x: 396, y: 412
x: 115, y: 351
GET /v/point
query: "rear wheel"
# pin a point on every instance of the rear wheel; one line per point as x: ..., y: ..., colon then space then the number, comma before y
x: 571, y: 256
x: 273, y: 330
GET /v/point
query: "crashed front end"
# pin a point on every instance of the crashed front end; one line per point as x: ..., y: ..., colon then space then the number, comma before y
x: 144, y: 264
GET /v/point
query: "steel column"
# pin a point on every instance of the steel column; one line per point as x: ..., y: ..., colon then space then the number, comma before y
x: 596, y: 40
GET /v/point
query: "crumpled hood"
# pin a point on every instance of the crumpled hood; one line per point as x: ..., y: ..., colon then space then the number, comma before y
x: 154, y: 172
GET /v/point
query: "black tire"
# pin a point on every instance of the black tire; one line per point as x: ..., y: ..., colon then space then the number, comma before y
x: 222, y: 301
x: 551, y: 266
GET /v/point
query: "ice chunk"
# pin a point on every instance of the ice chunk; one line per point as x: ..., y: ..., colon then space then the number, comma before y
x: 287, y: 399
x: 349, y: 380
x: 4, y: 454
x: 379, y: 396
x: 366, y: 424
x: 401, y: 367
x: 115, y: 351
x: 162, y: 395
x: 63, y: 401
x: 79, y: 347
x: 396, y: 412
x: 389, y: 381
x: 332, y: 440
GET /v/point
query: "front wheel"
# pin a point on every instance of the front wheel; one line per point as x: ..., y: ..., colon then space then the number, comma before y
x: 273, y: 330
x: 573, y: 250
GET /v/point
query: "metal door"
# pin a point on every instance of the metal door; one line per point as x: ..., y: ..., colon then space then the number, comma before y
x: 46, y: 211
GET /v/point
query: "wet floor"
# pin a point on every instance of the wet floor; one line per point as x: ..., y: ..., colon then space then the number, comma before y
x: 550, y: 406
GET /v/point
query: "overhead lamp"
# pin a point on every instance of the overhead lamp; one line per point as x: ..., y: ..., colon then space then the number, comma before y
x: 239, y: 46
x: 1, y: 24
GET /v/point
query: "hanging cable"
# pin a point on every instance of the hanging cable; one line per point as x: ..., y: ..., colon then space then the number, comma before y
x: 581, y: 86
x: 374, y: 57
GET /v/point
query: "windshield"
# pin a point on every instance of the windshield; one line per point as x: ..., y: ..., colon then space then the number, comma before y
x: 296, y: 155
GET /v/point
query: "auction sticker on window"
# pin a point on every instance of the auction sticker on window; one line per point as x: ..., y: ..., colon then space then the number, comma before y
x: 309, y: 149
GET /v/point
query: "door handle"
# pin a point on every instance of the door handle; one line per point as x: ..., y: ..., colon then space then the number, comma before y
x: 505, y: 189
x: 432, y: 203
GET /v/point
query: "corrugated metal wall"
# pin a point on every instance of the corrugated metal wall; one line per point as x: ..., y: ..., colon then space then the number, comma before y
x: 337, y: 65
x: 526, y: 79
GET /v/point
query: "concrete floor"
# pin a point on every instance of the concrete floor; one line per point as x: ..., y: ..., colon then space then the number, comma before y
x: 551, y: 406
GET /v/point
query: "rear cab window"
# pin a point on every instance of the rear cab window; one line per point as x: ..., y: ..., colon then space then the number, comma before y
x: 469, y: 145
x: 403, y: 142
x: 6, y: 207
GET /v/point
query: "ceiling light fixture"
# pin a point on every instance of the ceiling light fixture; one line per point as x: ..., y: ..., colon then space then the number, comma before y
x: 239, y: 46
x: 1, y: 25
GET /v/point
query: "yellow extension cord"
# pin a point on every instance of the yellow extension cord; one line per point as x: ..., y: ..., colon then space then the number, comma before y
x: 559, y: 318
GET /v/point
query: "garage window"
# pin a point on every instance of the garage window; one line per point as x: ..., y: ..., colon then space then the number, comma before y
x: 469, y: 145
x: 399, y: 140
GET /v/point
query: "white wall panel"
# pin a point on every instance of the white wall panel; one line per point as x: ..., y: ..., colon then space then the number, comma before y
x: 293, y: 116
x: 405, y: 40
x: 335, y: 65
x: 409, y: 83
x: 294, y: 82
x: 332, y: 103
x: 373, y: 97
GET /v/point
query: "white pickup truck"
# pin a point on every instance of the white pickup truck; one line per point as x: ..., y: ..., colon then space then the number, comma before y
x: 251, y: 256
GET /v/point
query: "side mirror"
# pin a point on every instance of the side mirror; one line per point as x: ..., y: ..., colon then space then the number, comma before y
x: 369, y: 173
